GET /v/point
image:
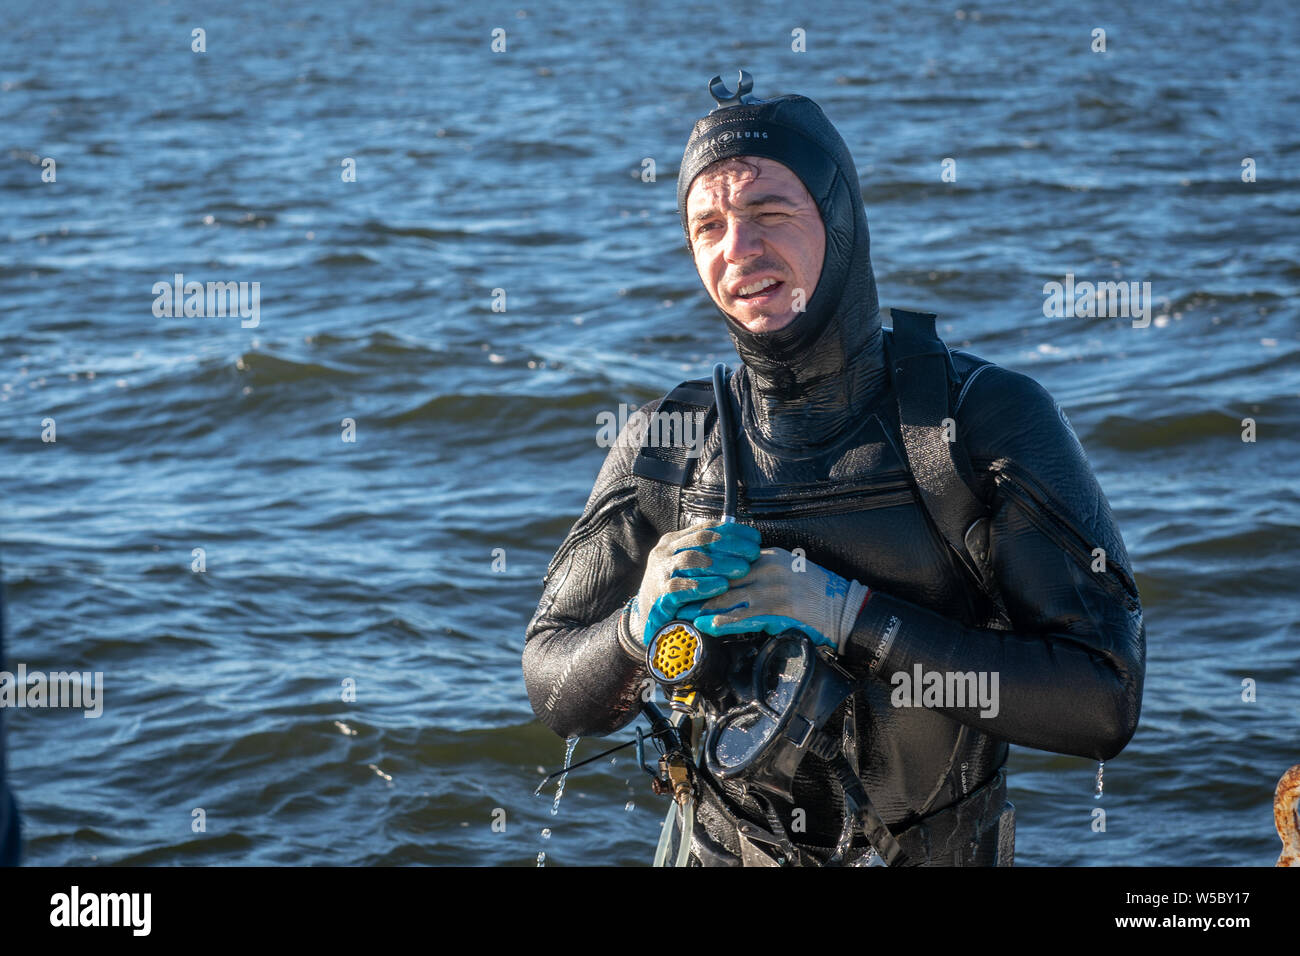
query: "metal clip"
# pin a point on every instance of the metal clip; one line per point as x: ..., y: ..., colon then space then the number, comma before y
x: 675, y: 777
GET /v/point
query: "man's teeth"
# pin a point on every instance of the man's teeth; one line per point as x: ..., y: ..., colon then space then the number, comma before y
x: 757, y: 287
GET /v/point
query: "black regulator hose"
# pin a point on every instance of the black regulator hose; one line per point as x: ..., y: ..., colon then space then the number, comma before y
x: 727, y: 432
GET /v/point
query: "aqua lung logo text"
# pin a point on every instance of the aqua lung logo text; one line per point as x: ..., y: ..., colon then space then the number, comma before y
x: 722, y: 139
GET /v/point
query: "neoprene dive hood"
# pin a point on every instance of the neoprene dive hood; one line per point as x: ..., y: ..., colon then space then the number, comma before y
x: 813, y: 378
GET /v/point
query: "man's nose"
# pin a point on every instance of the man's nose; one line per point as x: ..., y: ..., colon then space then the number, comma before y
x: 742, y: 241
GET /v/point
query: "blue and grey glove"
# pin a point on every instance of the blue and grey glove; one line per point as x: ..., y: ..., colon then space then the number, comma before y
x: 782, y: 592
x: 688, y: 566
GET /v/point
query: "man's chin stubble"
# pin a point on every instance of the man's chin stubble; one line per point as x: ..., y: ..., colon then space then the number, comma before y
x: 763, y: 323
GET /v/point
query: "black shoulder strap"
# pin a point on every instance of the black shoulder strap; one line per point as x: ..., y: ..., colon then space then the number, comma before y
x: 663, y: 465
x: 922, y: 373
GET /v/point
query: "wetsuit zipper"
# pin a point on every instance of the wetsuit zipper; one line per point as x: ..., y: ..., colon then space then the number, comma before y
x: 1044, y: 517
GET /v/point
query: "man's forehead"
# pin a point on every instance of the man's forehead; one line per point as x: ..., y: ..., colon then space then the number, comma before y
x: 741, y: 179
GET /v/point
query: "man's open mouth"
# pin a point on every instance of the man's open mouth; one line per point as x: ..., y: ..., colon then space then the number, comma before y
x: 758, y: 291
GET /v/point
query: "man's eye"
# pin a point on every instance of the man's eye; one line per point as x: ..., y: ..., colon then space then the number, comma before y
x: 705, y: 227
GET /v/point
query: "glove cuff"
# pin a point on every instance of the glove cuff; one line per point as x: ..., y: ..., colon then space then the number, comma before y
x: 631, y: 644
x: 858, y: 595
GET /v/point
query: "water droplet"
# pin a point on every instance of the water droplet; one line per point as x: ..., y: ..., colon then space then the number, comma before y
x: 1101, y: 765
x: 629, y: 806
x: 569, y: 746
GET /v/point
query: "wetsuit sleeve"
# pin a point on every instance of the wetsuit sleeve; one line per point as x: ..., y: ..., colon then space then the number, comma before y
x: 583, y: 670
x: 1071, y: 667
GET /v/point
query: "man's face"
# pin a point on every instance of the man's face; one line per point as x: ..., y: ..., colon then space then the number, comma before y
x: 758, y: 240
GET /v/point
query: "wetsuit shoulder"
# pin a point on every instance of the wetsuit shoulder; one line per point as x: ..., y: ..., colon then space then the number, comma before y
x: 1073, y: 662
x: 1019, y: 438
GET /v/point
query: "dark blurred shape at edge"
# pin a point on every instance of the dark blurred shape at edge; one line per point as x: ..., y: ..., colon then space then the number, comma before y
x: 9, y: 837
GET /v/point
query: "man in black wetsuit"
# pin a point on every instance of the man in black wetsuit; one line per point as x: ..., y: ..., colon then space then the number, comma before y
x: 944, y: 503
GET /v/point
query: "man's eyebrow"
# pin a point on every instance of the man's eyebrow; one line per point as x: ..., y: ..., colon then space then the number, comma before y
x: 768, y: 200
x: 771, y: 199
